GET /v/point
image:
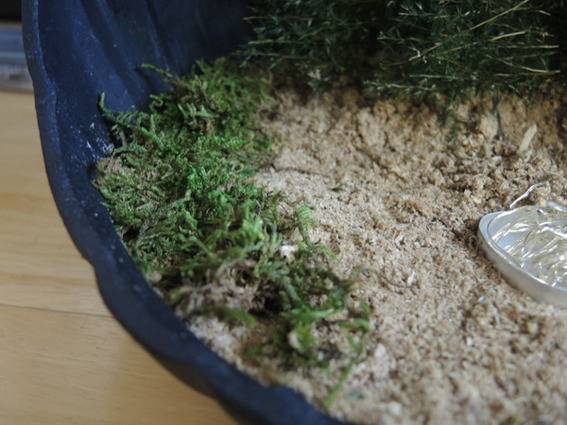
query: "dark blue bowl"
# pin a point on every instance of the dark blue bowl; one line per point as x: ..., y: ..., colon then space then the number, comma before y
x: 77, y: 49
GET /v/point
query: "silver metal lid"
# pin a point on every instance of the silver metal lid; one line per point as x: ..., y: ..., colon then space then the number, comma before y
x: 528, y: 245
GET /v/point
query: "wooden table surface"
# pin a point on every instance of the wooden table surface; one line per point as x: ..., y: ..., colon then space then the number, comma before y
x: 63, y: 358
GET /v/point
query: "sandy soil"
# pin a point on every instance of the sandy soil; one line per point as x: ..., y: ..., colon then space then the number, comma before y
x: 398, y: 192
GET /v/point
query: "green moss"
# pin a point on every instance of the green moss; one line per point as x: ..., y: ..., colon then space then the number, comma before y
x: 181, y: 193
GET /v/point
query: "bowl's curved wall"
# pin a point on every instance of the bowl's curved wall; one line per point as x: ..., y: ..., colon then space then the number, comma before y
x: 78, y: 49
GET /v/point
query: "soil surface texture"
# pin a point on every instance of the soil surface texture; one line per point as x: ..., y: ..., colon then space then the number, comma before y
x: 400, y: 191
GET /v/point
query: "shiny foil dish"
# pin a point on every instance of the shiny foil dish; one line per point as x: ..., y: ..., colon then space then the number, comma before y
x: 528, y: 245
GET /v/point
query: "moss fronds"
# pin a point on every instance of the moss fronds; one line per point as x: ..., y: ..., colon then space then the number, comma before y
x: 180, y: 189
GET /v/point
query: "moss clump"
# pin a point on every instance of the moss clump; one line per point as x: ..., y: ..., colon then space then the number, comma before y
x: 180, y: 190
x: 413, y: 47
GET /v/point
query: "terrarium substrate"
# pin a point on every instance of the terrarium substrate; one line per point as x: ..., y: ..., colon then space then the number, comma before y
x: 400, y: 191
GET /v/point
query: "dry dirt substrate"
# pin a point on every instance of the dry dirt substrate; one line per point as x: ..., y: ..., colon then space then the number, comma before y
x: 399, y: 192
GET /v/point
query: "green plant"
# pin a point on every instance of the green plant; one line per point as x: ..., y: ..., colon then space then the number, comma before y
x: 181, y: 192
x: 412, y: 47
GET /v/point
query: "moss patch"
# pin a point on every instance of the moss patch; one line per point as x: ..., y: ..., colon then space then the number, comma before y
x: 211, y: 241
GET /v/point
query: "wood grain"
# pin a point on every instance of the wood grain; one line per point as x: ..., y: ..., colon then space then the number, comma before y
x: 63, y: 358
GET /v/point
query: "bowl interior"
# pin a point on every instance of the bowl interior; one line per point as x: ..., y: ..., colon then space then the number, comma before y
x: 75, y: 52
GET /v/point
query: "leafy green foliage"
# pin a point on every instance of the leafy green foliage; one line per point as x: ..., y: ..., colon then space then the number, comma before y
x: 322, y: 39
x: 413, y: 47
x: 180, y: 190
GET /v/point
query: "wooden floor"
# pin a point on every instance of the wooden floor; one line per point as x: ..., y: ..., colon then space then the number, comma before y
x: 63, y: 358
